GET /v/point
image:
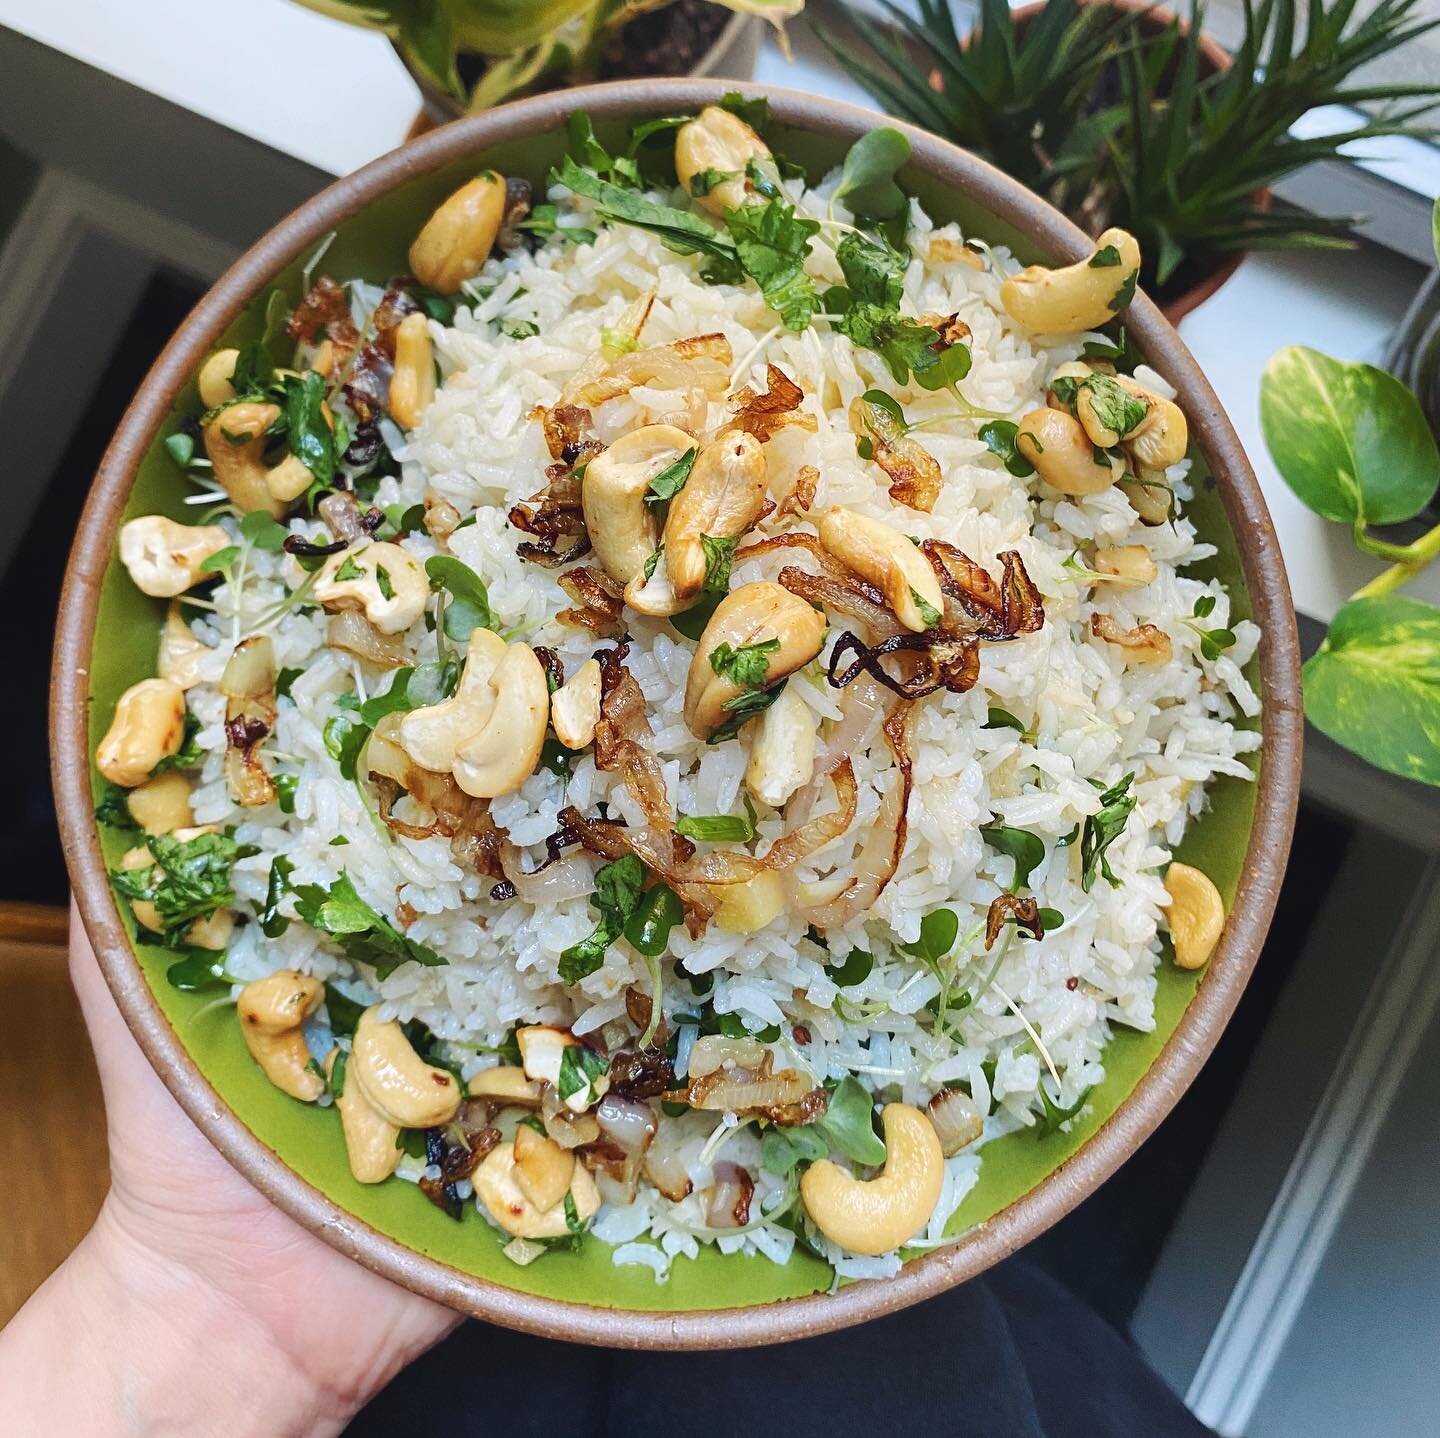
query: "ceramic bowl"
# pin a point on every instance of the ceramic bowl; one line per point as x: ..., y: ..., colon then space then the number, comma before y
x: 294, y: 1153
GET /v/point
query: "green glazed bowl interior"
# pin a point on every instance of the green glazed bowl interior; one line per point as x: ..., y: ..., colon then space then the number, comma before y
x: 294, y: 1152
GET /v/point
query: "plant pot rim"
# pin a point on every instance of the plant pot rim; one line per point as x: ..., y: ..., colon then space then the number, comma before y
x: 1277, y: 784
x: 441, y: 106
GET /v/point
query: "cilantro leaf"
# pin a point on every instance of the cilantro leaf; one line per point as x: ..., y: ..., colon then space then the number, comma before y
x: 874, y: 272
x: 189, y: 754
x: 1115, y: 407
x: 415, y: 687
x: 311, y: 439
x: 1125, y: 293
x: 719, y: 553
x: 365, y: 936
x: 350, y: 570
x: 616, y: 897
x: 1106, y: 258
x: 580, y: 1068
x: 746, y: 667
x: 188, y: 880
x: 543, y: 221
x: 717, y: 828
x: 998, y: 436
x: 744, y: 707
x: 903, y: 344
x: 670, y: 481
x: 771, y: 244
x: 113, y: 807
x: 272, y: 922
x: 1102, y: 829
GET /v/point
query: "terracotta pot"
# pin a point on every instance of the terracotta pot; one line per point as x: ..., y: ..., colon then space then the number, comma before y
x: 1253, y: 850
x: 1214, y: 60
x: 731, y: 56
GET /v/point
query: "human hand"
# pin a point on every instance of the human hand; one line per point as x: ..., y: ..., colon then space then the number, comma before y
x: 194, y: 1305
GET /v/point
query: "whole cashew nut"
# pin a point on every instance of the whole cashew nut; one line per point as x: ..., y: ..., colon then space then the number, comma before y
x: 149, y: 725
x: 457, y: 239
x: 164, y: 557
x: 180, y: 653
x: 1149, y: 495
x: 622, y: 527
x: 214, y: 379
x: 1195, y: 913
x: 575, y: 706
x: 371, y: 1140
x: 1163, y: 436
x: 430, y: 736
x: 235, y: 444
x: 271, y: 1011
x: 782, y: 752
x: 544, y: 1170
x: 397, y: 1082
x: 717, y: 141
x: 874, y: 1217
x: 752, y: 614
x: 500, y: 757
x: 412, y: 385
x: 1129, y: 562
x: 1057, y: 445
x: 884, y: 557
x: 162, y: 804
x: 723, y: 497
x: 1082, y: 296
x: 383, y: 579
x: 498, y: 1189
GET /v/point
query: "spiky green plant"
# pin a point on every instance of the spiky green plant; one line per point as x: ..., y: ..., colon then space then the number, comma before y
x: 1117, y: 118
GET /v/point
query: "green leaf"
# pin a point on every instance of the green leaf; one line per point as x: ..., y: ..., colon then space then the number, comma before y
x: 262, y: 530
x: 1125, y: 294
x: 647, y: 930
x: 1349, y: 439
x: 1054, y: 1115
x: 580, y: 1067
x: 867, y: 180
x: 855, y: 970
x: 743, y: 708
x: 1105, y: 258
x: 1374, y: 684
x: 188, y: 880
x: 848, y: 1124
x: 311, y: 439
x: 113, y: 807
x: 344, y: 1012
x: 1116, y: 408
x: 929, y: 615
x: 272, y: 922
x: 938, y: 931
x: 285, y: 786
x: 903, y: 344
x: 220, y: 561
x: 951, y: 365
x: 691, y: 622
x: 703, y: 181
x: 1027, y: 850
x: 345, y: 735
x: 199, y: 969
x: 782, y: 1148
x: 544, y: 222
x: 469, y: 605
x: 189, y: 754
x: 874, y: 272
x: 616, y: 897
x: 670, y: 481
x: 180, y: 448
x: 771, y: 244
x: 746, y: 667
x: 364, y: 934
x: 1102, y: 829
x: 412, y: 688
x: 717, y: 828
x: 350, y: 570
x: 719, y: 552
x: 998, y: 718
x: 998, y: 436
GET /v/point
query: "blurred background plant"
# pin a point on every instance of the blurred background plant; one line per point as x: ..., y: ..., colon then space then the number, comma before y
x: 476, y: 53
x: 1124, y: 114
x: 1354, y: 445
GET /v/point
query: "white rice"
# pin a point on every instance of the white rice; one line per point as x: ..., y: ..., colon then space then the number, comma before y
x: 1095, y: 720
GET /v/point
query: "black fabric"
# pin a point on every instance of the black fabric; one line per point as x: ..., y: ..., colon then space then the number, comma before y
x: 1012, y: 1355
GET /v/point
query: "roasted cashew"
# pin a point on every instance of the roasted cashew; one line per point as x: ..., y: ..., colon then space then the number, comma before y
x: 214, y: 379
x: 383, y: 579
x: 1057, y: 445
x: 782, y: 751
x: 412, y: 385
x: 723, y: 497
x: 457, y: 239
x: 1163, y: 436
x: 400, y: 1086
x: 877, y: 1216
x: 543, y: 1170
x: 1074, y: 297
x: 1195, y: 913
x: 621, y: 526
x: 753, y: 614
x: 180, y: 652
x: 884, y: 557
x: 271, y: 1011
x: 747, y: 907
x: 372, y: 1142
x: 235, y: 444
x: 1144, y: 644
x: 502, y: 754
x: 722, y: 143
x: 1126, y: 561
x: 505, y: 1084
x: 149, y: 725
x: 497, y: 1188
x: 430, y: 736
x: 575, y: 706
x: 164, y: 557
x: 1149, y: 495
x: 162, y: 804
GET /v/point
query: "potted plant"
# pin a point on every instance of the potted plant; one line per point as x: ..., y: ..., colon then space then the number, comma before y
x: 1124, y: 114
x: 470, y: 54
x: 1355, y: 446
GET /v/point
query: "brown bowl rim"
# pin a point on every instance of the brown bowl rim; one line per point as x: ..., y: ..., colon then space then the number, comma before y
x: 1135, y: 1119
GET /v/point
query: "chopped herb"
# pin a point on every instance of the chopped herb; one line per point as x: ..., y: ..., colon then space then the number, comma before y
x: 1054, y: 1115
x: 555, y: 757
x: 648, y: 929
x: 272, y: 922
x: 703, y: 181
x: 365, y: 936
x: 1105, y: 258
x: 1025, y: 848
x: 855, y: 970
x: 652, y: 562
x: 311, y: 439
x: 1114, y: 406
x: 285, y: 786
x: 345, y: 735
x: 468, y: 608
x: 671, y: 480
x: 743, y: 708
x: 928, y: 612
x: 518, y: 329
x: 1125, y: 293
x: 544, y: 222
x: 199, y: 969
x: 1065, y: 387
x: 189, y: 754
x: 691, y: 622
x: 580, y: 1068
x: 344, y: 1012
x: 339, y: 841
x: 771, y: 244
x: 262, y: 530
x: 350, y: 570
x: 382, y: 582
x: 719, y: 555
x: 188, y: 880
x: 336, y: 1082
x: 220, y: 561
x: 181, y: 448
x: 113, y: 808
x: 745, y: 667
x: 717, y: 828
x: 616, y: 897
x: 998, y: 718
x: 1102, y: 829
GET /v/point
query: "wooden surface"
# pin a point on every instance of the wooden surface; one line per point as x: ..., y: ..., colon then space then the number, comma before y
x: 53, y: 1169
